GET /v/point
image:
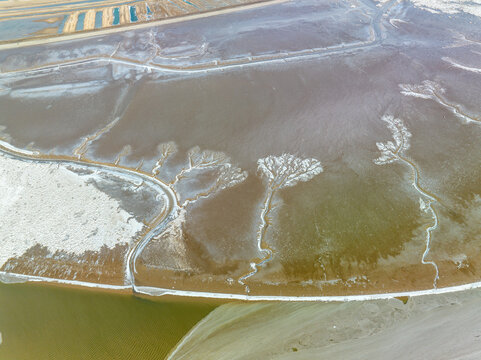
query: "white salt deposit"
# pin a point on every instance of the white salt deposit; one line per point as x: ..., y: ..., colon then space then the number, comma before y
x: 390, y: 153
x: 472, y: 7
x: 72, y: 89
x: 400, y: 134
x: 460, y: 66
x: 49, y: 205
x: 287, y: 170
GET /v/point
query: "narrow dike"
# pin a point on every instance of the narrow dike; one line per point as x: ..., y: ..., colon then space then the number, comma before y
x: 220, y: 65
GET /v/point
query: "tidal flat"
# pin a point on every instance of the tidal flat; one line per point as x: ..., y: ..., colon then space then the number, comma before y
x: 346, y: 163
x: 240, y: 179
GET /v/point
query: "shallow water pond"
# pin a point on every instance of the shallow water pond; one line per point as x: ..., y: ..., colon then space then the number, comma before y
x: 50, y: 322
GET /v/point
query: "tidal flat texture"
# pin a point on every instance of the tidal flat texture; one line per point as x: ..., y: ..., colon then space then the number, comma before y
x: 300, y: 148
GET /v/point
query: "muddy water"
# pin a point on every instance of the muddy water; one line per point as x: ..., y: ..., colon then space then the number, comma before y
x: 47, y: 322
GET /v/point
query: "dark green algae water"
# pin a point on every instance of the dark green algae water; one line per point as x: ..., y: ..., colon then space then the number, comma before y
x: 40, y: 321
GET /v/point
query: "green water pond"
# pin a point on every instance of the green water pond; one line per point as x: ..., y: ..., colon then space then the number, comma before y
x: 48, y: 322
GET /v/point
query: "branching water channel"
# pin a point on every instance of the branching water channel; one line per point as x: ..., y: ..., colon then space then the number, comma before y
x: 227, y: 175
x: 151, y: 229
x: 394, y: 151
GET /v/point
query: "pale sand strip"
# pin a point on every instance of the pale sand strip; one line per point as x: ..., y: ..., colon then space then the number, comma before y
x: 153, y: 291
x: 15, y: 149
x: 429, y: 328
x: 28, y: 4
x: 107, y: 17
x: 71, y: 23
x: 89, y: 21
x: 124, y: 14
x: 9, y: 278
x: 6, y: 277
x: 133, y: 26
x: 460, y: 66
x: 60, y: 9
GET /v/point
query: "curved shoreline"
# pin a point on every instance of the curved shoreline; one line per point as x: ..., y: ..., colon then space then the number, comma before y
x: 6, y: 277
x: 157, y: 225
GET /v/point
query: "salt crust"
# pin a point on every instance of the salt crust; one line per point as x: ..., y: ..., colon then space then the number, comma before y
x: 287, y: 170
x: 472, y: 7
x: 49, y: 205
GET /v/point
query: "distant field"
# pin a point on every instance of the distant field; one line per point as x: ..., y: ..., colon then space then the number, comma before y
x: 20, y: 20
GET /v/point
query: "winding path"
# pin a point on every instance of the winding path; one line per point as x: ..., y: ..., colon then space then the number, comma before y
x: 260, y: 239
x: 168, y: 213
x: 153, y: 228
x: 431, y: 199
x: 219, y: 65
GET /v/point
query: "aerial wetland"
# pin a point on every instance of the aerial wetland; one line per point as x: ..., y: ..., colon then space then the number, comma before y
x: 186, y: 178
